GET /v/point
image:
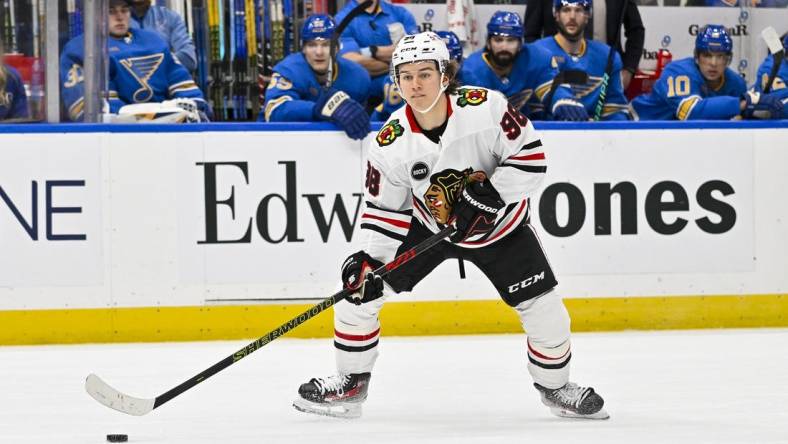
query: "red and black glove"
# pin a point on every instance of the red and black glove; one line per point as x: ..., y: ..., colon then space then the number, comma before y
x: 358, y: 276
x: 476, y: 210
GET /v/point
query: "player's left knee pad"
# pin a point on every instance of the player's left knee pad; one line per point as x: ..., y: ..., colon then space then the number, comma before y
x: 547, y: 324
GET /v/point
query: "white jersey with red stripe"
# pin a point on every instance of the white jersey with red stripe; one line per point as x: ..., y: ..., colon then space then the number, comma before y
x: 410, y: 176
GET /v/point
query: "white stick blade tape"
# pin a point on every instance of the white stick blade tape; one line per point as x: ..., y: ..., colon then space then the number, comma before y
x: 772, y: 40
x: 103, y: 393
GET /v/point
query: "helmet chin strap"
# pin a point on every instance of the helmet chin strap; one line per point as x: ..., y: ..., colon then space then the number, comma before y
x: 437, y: 97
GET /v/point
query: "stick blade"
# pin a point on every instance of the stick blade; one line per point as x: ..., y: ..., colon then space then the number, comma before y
x: 772, y: 39
x: 108, y: 396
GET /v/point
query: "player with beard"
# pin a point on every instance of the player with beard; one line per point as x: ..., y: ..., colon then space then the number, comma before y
x: 571, y: 51
x: 298, y: 93
x: 460, y: 156
x: 523, y: 73
x: 704, y: 87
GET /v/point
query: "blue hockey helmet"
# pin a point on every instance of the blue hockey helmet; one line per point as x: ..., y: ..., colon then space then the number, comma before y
x: 585, y: 4
x: 317, y: 27
x: 713, y: 38
x: 453, y: 44
x: 505, y: 23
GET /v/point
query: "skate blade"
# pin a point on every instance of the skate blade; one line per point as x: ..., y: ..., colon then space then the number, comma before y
x: 347, y: 410
x: 602, y: 414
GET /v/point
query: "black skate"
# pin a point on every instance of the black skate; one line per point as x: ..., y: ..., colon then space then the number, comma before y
x: 339, y: 396
x: 573, y: 401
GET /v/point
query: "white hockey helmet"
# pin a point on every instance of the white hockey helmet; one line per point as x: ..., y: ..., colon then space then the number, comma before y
x: 418, y: 47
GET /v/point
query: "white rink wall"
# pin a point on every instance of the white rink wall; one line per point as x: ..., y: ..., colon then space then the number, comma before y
x: 140, y: 219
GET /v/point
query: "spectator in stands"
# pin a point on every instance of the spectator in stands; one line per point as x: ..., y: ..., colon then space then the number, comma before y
x: 571, y: 51
x: 540, y: 22
x: 780, y: 81
x: 370, y: 38
x: 170, y: 26
x: 523, y: 73
x: 299, y: 91
x: 141, y: 69
x: 703, y: 87
x: 13, y: 100
x: 392, y: 100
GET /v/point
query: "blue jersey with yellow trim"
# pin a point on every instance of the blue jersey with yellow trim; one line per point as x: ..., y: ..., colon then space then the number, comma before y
x: 13, y: 99
x: 747, y: 3
x: 141, y: 69
x: 593, y: 61
x: 294, y: 88
x: 367, y: 30
x: 778, y: 86
x: 681, y: 92
x: 527, y: 84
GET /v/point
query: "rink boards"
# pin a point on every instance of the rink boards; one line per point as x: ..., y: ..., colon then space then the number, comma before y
x: 226, y: 231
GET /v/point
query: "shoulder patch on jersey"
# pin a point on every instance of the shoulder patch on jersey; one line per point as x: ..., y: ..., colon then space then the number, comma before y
x: 469, y: 96
x: 389, y: 133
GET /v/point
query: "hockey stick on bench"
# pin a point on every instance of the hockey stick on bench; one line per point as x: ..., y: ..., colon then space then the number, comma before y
x: 112, y: 398
x: 772, y: 40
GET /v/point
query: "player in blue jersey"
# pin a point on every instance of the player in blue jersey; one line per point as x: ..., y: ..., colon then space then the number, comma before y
x: 141, y: 69
x: 523, y: 73
x: 779, y: 87
x: 703, y: 87
x: 572, y: 51
x: 370, y: 38
x: 13, y: 100
x: 392, y: 100
x: 298, y: 90
x: 170, y: 26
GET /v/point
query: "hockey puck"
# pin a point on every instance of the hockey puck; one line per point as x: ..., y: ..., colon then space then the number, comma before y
x: 117, y: 438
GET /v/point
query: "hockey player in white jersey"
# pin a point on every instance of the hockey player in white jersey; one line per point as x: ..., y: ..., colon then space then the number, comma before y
x: 461, y: 156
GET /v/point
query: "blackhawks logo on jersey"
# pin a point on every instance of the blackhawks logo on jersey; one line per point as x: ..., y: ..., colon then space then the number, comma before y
x: 443, y: 191
x: 471, y: 97
x: 389, y: 133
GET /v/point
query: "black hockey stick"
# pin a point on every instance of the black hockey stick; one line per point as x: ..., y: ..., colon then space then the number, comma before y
x: 105, y: 394
x: 772, y: 40
x: 600, y: 103
x: 332, y: 50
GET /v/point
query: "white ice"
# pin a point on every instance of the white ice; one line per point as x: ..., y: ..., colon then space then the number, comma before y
x: 728, y: 386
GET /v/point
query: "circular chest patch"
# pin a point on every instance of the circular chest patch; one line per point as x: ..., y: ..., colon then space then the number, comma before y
x: 420, y: 171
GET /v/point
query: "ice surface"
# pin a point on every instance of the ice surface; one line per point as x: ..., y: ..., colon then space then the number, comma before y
x: 728, y: 386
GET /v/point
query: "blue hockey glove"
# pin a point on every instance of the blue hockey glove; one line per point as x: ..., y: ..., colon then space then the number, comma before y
x: 571, y: 110
x: 358, y: 276
x: 345, y: 112
x: 762, y: 106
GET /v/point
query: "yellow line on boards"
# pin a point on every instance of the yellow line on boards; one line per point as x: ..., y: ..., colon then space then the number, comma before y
x: 164, y: 324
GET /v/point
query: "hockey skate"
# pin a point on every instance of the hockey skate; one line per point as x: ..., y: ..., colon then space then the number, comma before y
x: 339, y: 396
x: 573, y: 401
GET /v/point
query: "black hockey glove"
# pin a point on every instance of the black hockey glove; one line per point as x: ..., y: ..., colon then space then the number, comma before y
x: 358, y: 276
x: 476, y: 210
